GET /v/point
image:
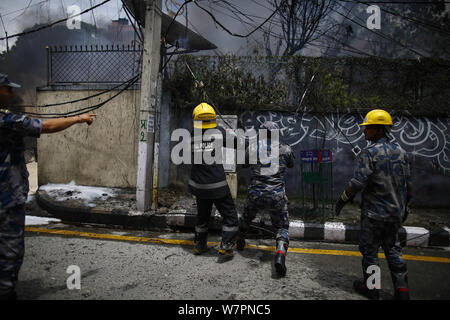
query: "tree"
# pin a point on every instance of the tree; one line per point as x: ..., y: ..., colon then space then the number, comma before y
x: 301, y: 22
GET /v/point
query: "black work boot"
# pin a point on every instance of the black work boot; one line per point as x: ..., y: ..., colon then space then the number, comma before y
x: 400, y: 281
x: 226, y: 252
x: 360, y: 286
x: 280, y: 258
x: 200, y: 248
x: 200, y: 243
x: 240, y: 241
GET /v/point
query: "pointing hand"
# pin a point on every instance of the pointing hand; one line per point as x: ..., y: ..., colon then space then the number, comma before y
x: 87, y: 117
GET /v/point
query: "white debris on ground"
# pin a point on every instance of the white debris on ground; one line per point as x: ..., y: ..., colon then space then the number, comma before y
x: 71, y: 191
x: 34, y: 221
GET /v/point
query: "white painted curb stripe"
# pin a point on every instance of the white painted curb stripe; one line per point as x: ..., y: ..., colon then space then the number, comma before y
x: 417, y: 236
x: 334, y: 231
x: 297, y: 229
x: 175, y: 220
x: 184, y: 211
x: 34, y: 221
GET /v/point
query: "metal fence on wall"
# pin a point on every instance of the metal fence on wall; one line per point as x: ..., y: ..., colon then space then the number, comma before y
x: 92, y: 64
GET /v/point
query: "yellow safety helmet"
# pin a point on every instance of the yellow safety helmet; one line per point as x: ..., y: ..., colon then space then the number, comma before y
x: 377, y: 116
x: 204, y: 116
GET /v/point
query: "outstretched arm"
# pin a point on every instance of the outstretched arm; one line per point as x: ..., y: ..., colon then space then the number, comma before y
x: 60, y: 124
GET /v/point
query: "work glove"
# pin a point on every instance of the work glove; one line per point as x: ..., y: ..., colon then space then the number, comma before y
x: 342, y: 201
x: 406, y: 213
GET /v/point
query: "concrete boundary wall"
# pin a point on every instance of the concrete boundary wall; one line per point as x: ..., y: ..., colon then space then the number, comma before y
x: 427, y: 141
x: 103, y: 154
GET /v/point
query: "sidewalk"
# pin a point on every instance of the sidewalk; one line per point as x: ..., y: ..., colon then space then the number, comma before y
x: 117, y: 208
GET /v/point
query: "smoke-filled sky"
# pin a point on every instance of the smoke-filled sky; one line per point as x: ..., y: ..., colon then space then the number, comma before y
x: 20, y: 14
x: 28, y: 61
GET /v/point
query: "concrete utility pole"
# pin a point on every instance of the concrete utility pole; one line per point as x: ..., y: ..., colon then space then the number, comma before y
x: 156, y: 145
x: 150, y: 69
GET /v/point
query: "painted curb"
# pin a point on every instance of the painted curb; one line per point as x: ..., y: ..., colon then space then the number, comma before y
x: 298, y: 229
x: 336, y: 231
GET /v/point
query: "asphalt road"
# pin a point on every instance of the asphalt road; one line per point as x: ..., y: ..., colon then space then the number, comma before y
x: 125, y: 266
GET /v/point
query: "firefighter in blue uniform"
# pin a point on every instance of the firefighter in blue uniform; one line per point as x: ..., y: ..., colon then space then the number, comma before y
x: 383, y: 177
x: 14, y: 181
x: 267, y: 191
x: 209, y: 185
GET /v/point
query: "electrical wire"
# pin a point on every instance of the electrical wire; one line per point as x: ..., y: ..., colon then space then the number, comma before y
x: 168, y: 59
x: 393, y: 40
x: 354, y: 49
x: 54, y: 23
x: 325, y: 33
x: 217, y: 51
x: 232, y: 33
x: 240, y: 20
x: 23, y: 12
x: 136, y: 31
x: 251, y: 24
x: 95, y: 21
x: 82, y: 99
x: 173, y: 19
x: 119, y: 31
x: 414, y: 20
x: 82, y: 110
x: 206, y: 95
x: 379, y: 33
x: 6, y: 33
x: 168, y: 29
x: 235, y: 14
x: 11, y: 12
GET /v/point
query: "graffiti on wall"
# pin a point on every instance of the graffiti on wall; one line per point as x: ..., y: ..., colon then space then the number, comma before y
x: 419, y: 136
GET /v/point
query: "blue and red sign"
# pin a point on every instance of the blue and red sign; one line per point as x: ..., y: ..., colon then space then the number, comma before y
x: 316, y: 156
